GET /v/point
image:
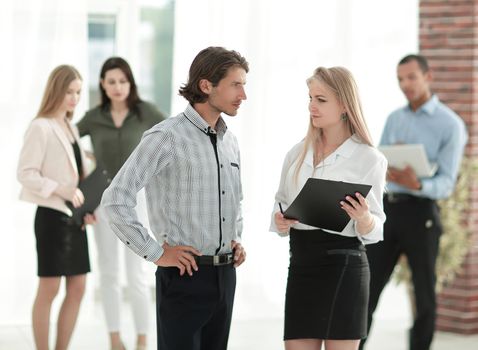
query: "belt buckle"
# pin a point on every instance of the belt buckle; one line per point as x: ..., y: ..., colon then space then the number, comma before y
x: 216, y: 260
x: 391, y: 198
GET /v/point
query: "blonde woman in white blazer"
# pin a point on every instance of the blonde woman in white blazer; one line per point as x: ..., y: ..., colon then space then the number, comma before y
x: 50, y: 167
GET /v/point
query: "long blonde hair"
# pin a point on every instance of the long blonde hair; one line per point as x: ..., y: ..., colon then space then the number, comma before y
x: 341, y: 82
x: 55, y: 90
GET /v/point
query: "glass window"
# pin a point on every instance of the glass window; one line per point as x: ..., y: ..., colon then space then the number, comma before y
x: 156, y: 47
x: 101, y: 45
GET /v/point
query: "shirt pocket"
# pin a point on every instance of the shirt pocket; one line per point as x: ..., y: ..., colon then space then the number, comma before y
x: 235, y: 179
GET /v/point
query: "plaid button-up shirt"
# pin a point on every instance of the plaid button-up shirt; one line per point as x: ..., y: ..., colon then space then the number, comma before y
x: 193, y: 194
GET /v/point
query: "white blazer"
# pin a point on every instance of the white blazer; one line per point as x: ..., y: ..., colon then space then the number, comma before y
x: 46, y: 161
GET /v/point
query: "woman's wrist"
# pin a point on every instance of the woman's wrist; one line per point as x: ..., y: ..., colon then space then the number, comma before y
x: 65, y: 192
x: 366, y: 224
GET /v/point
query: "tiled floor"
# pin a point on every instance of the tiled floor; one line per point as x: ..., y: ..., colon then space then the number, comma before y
x: 256, y: 334
x: 392, y: 321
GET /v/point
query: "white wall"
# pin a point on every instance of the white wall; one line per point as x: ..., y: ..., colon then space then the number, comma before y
x: 35, y: 37
x: 283, y: 42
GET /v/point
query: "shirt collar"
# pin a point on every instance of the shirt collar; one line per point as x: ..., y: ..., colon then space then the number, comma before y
x: 345, y: 150
x: 193, y: 116
x: 108, y: 117
x: 428, y: 107
x: 348, y: 147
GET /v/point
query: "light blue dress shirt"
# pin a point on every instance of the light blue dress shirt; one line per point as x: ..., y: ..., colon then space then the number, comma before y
x: 444, y: 136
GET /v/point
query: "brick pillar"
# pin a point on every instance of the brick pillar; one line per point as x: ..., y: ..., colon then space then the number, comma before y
x: 449, y: 39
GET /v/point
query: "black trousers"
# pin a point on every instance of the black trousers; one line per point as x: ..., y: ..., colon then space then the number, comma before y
x: 194, y: 312
x: 413, y: 228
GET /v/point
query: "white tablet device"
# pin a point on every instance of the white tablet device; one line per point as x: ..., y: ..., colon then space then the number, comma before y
x: 414, y: 155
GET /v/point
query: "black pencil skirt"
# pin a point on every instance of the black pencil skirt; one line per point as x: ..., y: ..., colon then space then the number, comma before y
x: 62, y: 246
x: 327, y: 287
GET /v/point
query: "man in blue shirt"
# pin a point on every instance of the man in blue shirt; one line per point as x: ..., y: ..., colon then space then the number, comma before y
x: 413, y: 224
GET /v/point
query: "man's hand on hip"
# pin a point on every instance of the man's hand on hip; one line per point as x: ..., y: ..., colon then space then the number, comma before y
x: 181, y: 256
x: 239, y: 253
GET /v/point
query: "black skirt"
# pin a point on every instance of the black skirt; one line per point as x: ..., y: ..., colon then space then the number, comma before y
x: 62, y: 245
x: 327, y: 287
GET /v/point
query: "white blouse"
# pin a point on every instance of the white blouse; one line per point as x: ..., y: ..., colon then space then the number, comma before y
x: 351, y: 162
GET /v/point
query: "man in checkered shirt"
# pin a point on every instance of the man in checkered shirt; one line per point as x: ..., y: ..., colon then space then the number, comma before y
x: 190, y: 168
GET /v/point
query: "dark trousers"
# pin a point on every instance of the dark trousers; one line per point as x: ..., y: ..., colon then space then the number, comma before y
x: 194, y: 312
x: 413, y: 228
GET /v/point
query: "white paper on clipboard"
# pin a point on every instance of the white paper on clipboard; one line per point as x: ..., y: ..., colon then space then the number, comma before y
x: 413, y: 155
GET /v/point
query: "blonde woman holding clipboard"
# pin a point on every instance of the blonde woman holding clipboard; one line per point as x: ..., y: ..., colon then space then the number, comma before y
x: 327, y: 287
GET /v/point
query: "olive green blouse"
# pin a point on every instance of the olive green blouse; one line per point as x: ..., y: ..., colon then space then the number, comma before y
x: 112, y: 145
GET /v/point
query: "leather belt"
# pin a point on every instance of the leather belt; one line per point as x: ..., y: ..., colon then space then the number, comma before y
x: 215, y: 260
x: 404, y: 197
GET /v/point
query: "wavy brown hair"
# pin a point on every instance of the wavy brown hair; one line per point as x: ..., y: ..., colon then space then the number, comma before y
x: 211, y: 64
x: 55, y: 90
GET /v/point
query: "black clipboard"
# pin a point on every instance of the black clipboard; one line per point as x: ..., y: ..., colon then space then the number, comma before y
x: 92, y: 187
x: 318, y: 203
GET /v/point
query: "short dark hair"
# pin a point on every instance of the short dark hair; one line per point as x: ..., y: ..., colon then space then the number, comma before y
x: 211, y: 64
x: 421, y: 60
x: 133, y: 98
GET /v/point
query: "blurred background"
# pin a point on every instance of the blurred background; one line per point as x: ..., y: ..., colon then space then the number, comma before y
x: 283, y: 41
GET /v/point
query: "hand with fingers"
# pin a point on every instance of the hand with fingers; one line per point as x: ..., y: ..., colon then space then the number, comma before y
x: 88, y: 219
x: 239, y: 253
x: 357, y: 208
x: 181, y: 256
x: 406, y: 177
x: 78, y: 198
x: 283, y: 224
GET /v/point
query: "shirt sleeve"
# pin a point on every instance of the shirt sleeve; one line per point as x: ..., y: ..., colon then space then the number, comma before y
x: 153, y: 114
x: 84, y: 125
x: 281, y: 196
x: 31, y: 160
x: 158, y: 116
x: 239, y: 221
x: 376, y: 177
x: 449, y: 158
x: 119, y: 200
x: 385, y: 139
